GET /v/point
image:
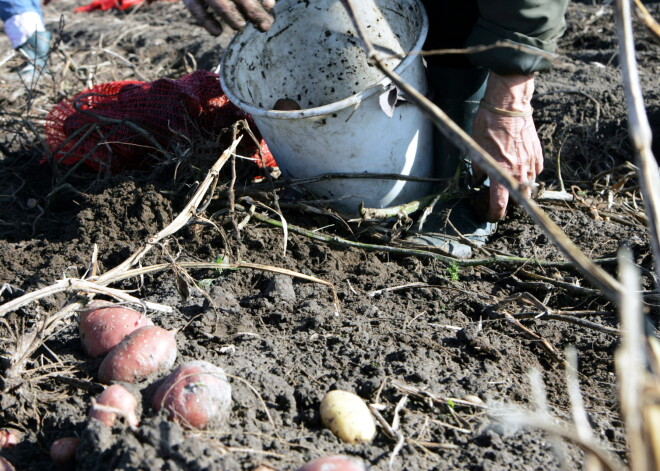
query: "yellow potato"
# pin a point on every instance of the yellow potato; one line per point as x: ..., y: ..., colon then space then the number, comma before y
x: 347, y: 416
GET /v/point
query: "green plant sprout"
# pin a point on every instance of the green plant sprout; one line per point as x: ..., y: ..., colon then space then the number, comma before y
x: 453, y: 271
x: 206, y: 283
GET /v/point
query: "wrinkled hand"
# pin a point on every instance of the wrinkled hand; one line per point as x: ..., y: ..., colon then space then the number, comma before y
x: 235, y: 13
x: 511, y: 140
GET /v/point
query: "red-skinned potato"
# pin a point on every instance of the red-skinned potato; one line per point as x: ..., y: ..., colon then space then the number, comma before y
x: 146, y: 351
x: 6, y: 465
x: 335, y: 463
x: 115, y: 401
x: 103, y: 325
x: 7, y: 439
x: 63, y: 451
x: 196, y: 394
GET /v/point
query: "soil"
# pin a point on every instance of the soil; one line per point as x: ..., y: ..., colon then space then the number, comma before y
x: 402, y: 319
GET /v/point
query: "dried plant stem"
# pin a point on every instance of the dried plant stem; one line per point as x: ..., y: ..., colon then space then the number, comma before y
x: 630, y: 365
x: 638, y: 125
x: 647, y: 18
x: 496, y: 259
x: 98, y: 284
x: 451, y: 131
x: 569, y: 318
x: 29, y: 342
x: 345, y: 176
x: 477, y: 49
x: 75, y: 285
x: 229, y: 266
x: 369, y: 214
x: 578, y: 411
x: 180, y: 221
x: 610, y: 462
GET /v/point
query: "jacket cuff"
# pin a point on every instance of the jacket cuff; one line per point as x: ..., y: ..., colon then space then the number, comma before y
x: 507, y: 60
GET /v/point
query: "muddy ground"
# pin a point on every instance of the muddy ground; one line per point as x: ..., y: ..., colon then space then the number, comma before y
x: 407, y: 325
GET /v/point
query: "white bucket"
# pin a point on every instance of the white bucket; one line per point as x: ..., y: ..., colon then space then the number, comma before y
x: 312, y: 55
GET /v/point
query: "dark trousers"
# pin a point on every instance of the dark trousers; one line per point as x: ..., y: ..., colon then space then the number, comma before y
x: 451, y: 22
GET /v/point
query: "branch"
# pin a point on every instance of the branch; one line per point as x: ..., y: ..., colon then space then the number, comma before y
x: 630, y: 365
x: 498, y: 259
x: 75, y: 285
x: 647, y: 18
x: 450, y: 130
x: 180, y: 221
x: 638, y: 125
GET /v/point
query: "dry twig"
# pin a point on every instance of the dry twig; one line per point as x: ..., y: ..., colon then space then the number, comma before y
x: 29, y: 342
x: 630, y: 366
x: 647, y: 18
x: 451, y: 131
x: 638, y: 125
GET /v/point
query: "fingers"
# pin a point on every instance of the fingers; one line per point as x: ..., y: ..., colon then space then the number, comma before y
x: 199, y: 11
x: 259, y: 13
x: 499, y: 199
x: 238, y: 12
x: 538, y: 157
x: 491, y: 202
x: 523, y: 168
x: 229, y: 12
x: 532, y: 161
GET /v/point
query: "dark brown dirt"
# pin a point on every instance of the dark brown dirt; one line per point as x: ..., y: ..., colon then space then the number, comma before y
x: 281, y: 334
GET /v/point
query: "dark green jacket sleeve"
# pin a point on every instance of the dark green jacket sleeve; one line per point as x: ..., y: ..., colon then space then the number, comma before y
x: 537, y: 24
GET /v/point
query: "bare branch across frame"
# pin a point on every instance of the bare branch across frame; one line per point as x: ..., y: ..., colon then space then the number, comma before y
x: 451, y: 131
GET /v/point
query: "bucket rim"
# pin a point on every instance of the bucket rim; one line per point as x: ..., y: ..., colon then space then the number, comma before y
x: 352, y: 100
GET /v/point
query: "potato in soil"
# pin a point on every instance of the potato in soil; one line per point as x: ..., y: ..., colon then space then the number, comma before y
x: 196, y: 394
x: 115, y: 397
x: 335, y: 463
x: 347, y: 416
x: 63, y: 450
x: 147, y: 351
x: 103, y: 325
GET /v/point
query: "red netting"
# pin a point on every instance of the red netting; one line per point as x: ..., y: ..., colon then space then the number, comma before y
x: 115, y: 125
x: 104, y: 5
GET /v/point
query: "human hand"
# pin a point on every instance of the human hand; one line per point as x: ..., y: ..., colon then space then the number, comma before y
x: 504, y: 128
x: 235, y: 13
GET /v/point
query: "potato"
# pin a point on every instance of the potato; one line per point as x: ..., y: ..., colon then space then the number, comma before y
x: 347, y: 416
x: 286, y: 104
x: 335, y: 463
x: 6, y: 465
x: 144, y: 352
x: 63, y: 451
x: 7, y: 439
x: 102, y: 326
x: 196, y: 394
x: 115, y: 397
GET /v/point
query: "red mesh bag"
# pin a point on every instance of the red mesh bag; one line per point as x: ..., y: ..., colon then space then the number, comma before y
x: 104, y: 5
x: 115, y: 125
